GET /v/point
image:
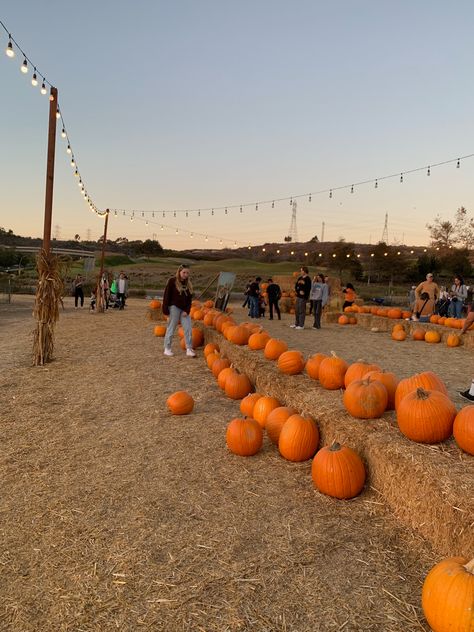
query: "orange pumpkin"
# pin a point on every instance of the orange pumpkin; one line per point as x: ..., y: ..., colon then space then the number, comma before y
x: 357, y: 370
x: 365, y: 399
x: 244, y: 436
x: 198, y: 314
x: 258, y: 341
x: 332, y: 371
x: 275, y: 421
x: 463, y: 429
x: 237, y: 385
x: 434, y: 318
x: 159, y: 330
x: 389, y: 380
x: 218, y: 365
x: 432, y: 336
x: 398, y: 327
x: 448, y: 596
x: 406, y: 314
x: 299, y: 438
x: 209, y: 319
x: 313, y: 364
x: 211, y: 358
x: 453, y: 340
x: 338, y: 471
x: 180, y: 403
x: 248, y: 403
x: 394, y: 313
x: 418, y: 334
x: 291, y: 362
x: 239, y: 335
x: 427, y: 380
x: 155, y: 304
x: 210, y: 348
x: 263, y: 408
x: 274, y: 348
x: 223, y: 375
x: 343, y: 320
x: 426, y: 416
x: 197, y: 338
x: 399, y: 335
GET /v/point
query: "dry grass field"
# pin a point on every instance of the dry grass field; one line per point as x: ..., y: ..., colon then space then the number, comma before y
x: 115, y: 515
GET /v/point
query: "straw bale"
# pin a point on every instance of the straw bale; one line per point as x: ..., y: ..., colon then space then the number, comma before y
x: 428, y: 488
x: 154, y: 314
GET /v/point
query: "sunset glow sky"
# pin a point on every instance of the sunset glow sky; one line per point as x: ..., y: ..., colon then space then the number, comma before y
x: 185, y: 105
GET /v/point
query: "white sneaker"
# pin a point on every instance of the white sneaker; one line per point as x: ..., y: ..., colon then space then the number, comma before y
x: 298, y: 327
x: 190, y: 353
x: 168, y: 352
x: 293, y: 326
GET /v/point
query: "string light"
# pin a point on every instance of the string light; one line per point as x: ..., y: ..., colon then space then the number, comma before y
x: 428, y: 173
x: 24, y: 67
x: 458, y: 164
x: 68, y: 150
x: 273, y: 206
x: 330, y: 194
x: 352, y: 189
x: 9, y: 49
x: 63, y: 133
x: 34, y: 79
x: 376, y: 184
x: 309, y: 198
x: 43, y: 88
x: 401, y: 177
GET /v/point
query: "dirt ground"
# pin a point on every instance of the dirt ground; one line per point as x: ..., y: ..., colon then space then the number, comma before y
x: 115, y: 515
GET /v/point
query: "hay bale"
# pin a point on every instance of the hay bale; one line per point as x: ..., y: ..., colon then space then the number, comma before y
x: 429, y: 488
x: 154, y: 314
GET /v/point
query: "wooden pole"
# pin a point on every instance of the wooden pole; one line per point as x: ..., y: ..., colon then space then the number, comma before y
x: 48, y: 204
x: 100, y: 295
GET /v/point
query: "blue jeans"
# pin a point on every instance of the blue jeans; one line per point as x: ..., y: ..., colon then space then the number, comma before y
x: 253, y: 300
x: 456, y: 308
x: 175, y: 316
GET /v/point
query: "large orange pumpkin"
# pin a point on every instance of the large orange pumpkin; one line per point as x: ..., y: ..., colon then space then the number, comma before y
x: 418, y: 334
x: 248, y: 403
x: 365, y: 399
x: 275, y: 421
x: 223, y: 375
x: 258, y: 340
x: 343, y: 320
x: 463, y: 429
x: 394, y: 313
x: 198, y: 314
x: 299, y: 438
x: 244, y: 436
x: 338, y: 471
x: 427, y: 380
x: 263, y: 408
x: 313, y: 363
x: 357, y: 370
x: 426, y: 416
x: 399, y: 335
x: 274, y: 348
x: 197, y: 338
x: 159, y: 330
x: 209, y: 318
x: 211, y: 358
x: 448, y: 596
x: 389, y: 380
x: 453, y: 340
x: 432, y: 336
x: 291, y: 362
x: 332, y: 371
x: 210, y: 348
x: 180, y: 403
x: 239, y: 335
x: 218, y: 365
x: 237, y: 385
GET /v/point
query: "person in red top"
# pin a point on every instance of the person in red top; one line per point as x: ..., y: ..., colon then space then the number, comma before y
x: 176, y: 304
x: 349, y: 295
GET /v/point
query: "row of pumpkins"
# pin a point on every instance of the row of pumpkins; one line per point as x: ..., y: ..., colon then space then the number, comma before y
x: 448, y: 590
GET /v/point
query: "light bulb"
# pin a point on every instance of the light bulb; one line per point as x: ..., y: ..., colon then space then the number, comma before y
x: 68, y: 150
x: 115, y: 214
x: 34, y: 79
x: 76, y: 174
x: 73, y: 162
x: 43, y: 88
x: 192, y: 235
x: 161, y: 228
x: 146, y: 223
x: 79, y: 184
x: 58, y: 114
x: 63, y: 133
x: 24, y: 67
x: 278, y: 252
x: 176, y: 231
x: 9, y: 50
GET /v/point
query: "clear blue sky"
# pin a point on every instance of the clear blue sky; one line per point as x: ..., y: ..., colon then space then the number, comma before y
x: 186, y: 104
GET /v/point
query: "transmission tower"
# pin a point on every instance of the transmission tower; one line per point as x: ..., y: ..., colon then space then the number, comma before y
x: 293, y: 232
x: 385, y: 230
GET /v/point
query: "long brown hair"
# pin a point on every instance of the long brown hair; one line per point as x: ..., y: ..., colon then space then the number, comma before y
x: 180, y: 286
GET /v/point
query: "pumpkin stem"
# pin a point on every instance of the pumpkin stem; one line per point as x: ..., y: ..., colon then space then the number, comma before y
x: 334, y: 354
x: 421, y: 393
x: 470, y: 567
x: 335, y: 447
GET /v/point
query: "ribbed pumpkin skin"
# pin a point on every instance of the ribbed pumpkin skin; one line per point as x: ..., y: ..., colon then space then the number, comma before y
x: 313, y: 363
x: 159, y: 330
x: 418, y: 334
x: 448, y: 596
x: 331, y: 373
x: 276, y: 420
x: 399, y: 335
x: 365, y: 399
x: 389, y: 380
x: 357, y: 370
x: 338, y: 471
x: 426, y: 416
x: 239, y: 335
x: 180, y: 403
x: 263, y: 408
x: 432, y: 336
x: 427, y: 380
x: 463, y: 429
x: 223, y: 375
x: 274, y: 348
x: 258, y: 341
x: 291, y: 362
x: 299, y: 438
x: 211, y: 358
x: 237, y: 385
x: 248, y: 403
x: 210, y: 348
x: 453, y: 340
x: 218, y: 365
x: 244, y: 436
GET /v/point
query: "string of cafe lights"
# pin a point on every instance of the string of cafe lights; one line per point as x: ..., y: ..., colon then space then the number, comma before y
x: 38, y: 78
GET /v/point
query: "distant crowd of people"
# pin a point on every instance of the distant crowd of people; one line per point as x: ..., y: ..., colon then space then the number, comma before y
x: 113, y: 291
x: 428, y: 299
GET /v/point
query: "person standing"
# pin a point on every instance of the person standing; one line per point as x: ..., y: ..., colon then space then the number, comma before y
x: 78, y: 290
x: 319, y: 297
x: 274, y: 295
x: 121, y: 289
x: 177, y: 300
x: 302, y: 289
x: 428, y: 286
x: 246, y: 294
x: 458, y: 296
x: 254, y: 297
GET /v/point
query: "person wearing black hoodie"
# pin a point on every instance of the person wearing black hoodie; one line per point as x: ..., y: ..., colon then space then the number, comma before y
x: 302, y: 289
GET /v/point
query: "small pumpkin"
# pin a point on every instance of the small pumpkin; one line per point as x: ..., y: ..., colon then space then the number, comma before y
x: 332, y: 371
x: 338, y: 471
x: 426, y: 416
x: 453, y: 340
x: 209, y: 319
x: 210, y: 348
x: 248, y: 403
x: 244, y: 436
x: 418, y: 334
x: 180, y: 403
x: 198, y: 314
x: 155, y: 304
x: 343, y: 320
x: 211, y: 358
x: 389, y: 380
x: 394, y: 313
x: 291, y: 362
x: 357, y: 370
x: 159, y: 330
x: 447, y: 597
x: 237, y: 385
x: 218, y: 365
x: 432, y: 336
x: 399, y: 335
x: 274, y: 348
x: 463, y: 429
x: 299, y: 438
x: 276, y: 420
x: 239, y: 335
x: 258, y: 341
x: 263, y: 408
x: 427, y: 380
x: 365, y: 399
x: 313, y: 363
x: 223, y: 375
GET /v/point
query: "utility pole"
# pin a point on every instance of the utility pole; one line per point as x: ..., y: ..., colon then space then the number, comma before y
x: 322, y: 231
x: 100, y: 293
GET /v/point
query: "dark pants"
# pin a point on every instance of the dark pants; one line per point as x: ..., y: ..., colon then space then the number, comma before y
x: 121, y: 298
x: 254, y: 308
x: 317, y: 308
x: 300, y: 312
x: 78, y: 294
x: 347, y: 304
x: 274, y: 304
x: 246, y: 302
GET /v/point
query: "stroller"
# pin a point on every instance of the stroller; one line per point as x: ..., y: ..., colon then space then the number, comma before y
x: 442, y: 306
x: 114, y: 300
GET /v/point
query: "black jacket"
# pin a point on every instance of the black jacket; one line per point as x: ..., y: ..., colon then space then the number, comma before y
x: 274, y: 292
x: 303, y: 287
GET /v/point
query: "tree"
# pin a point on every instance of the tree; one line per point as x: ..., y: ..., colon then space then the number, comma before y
x: 457, y: 262
x: 427, y: 263
x: 345, y: 258
x: 77, y: 237
x: 442, y: 233
x: 463, y: 228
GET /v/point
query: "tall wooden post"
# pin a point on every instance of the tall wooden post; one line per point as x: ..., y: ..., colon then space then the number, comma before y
x: 100, y: 289
x: 50, y: 286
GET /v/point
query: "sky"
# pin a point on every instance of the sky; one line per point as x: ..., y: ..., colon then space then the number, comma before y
x: 181, y: 104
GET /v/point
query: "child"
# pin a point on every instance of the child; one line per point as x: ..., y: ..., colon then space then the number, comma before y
x: 261, y: 306
x: 93, y: 298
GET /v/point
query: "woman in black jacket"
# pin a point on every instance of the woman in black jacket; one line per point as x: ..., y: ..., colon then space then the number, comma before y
x: 176, y: 304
